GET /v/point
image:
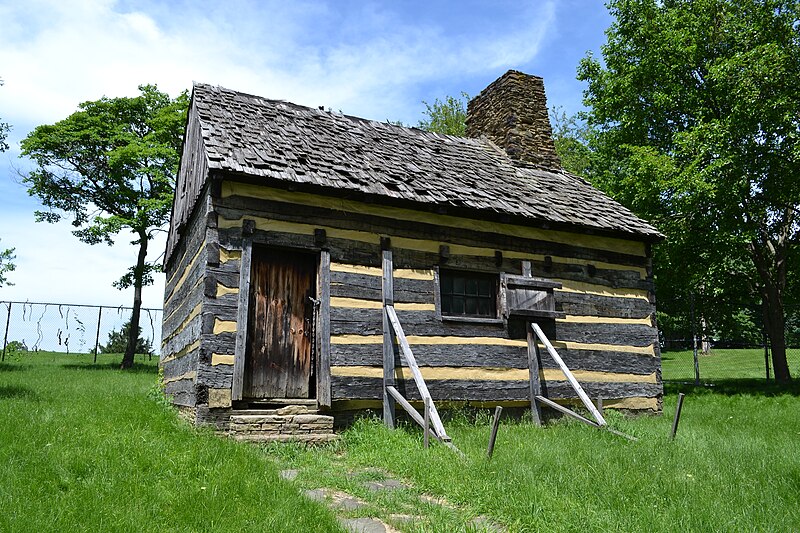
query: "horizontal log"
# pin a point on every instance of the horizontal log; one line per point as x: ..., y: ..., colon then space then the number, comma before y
x: 573, y: 303
x: 181, y: 365
x: 177, y: 317
x: 175, y: 297
x: 221, y: 343
x: 366, y: 388
x: 488, y: 356
x: 233, y: 206
x: 216, y: 376
x: 186, y: 250
x: 222, y: 309
x: 182, y: 392
x: 184, y: 337
x: 361, y: 321
x: 368, y: 254
x: 619, y: 334
x: 361, y: 286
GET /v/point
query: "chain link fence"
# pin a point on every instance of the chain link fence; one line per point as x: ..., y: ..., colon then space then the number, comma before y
x: 707, y: 359
x: 704, y: 339
x: 74, y: 329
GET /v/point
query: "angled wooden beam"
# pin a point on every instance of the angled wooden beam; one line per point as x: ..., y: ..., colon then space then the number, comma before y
x: 567, y: 411
x: 572, y: 381
x: 415, y: 416
x: 436, y: 422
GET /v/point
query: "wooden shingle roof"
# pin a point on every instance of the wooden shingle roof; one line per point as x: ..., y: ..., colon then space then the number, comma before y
x: 284, y: 142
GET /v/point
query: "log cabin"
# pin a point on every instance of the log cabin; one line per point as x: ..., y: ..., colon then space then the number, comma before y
x: 293, y: 228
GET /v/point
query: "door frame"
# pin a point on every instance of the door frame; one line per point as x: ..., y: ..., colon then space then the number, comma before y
x: 320, y: 353
x: 283, y: 263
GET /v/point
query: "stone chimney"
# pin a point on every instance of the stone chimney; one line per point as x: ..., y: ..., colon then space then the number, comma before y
x: 512, y: 113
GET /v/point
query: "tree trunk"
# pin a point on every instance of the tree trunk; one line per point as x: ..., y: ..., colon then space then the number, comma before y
x: 138, y: 281
x: 774, y: 323
x: 769, y: 260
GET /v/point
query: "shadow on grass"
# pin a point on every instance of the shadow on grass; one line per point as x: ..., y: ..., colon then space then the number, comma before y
x: 733, y: 387
x: 11, y: 367
x: 15, y: 391
x: 138, y: 368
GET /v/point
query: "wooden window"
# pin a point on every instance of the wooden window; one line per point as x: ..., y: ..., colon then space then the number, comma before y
x: 468, y: 294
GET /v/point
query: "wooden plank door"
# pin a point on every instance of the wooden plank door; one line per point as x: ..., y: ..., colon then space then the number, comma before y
x: 280, y: 325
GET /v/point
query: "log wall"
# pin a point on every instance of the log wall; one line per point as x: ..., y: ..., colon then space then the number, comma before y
x: 607, y: 337
x: 183, y: 306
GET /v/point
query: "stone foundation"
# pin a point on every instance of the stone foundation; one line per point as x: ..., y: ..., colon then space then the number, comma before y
x: 307, y: 427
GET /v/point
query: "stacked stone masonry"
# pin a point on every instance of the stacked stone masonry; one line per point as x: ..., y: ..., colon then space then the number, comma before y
x: 512, y: 113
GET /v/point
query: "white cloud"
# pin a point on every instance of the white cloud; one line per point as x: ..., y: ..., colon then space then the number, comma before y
x: 55, y: 54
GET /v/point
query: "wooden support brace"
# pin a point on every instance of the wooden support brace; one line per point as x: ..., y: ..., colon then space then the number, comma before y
x: 415, y: 416
x: 570, y: 378
x: 412, y: 364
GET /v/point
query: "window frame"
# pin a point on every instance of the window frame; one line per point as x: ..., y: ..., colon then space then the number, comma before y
x: 439, y: 295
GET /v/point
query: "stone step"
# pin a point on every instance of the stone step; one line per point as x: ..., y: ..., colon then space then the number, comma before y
x: 309, y: 438
x: 286, y: 410
x: 282, y: 419
x: 300, y: 427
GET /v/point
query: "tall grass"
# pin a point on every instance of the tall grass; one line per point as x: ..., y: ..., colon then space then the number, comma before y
x: 85, y: 448
x: 734, y: 466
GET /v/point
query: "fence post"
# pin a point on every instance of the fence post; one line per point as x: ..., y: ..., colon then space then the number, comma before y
x: 97, y: 337
x: 5, y: 337
x: 694, y: 346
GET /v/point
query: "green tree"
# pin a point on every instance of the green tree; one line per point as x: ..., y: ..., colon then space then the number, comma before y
x: 447, y: 117
x: 696, y: 109
x: 111, y: 166
x: 571, y: 136
x: 6, y: 265
x: 4, y: 129
x: 118, y: 341
x: 7, y: 255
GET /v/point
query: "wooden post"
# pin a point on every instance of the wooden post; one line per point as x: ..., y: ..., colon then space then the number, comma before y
x: 388, y: 337
x: 426, y: 431
x: 495, y: 426
x: 97, y: 336
x: 677, y: 416
x: 5, y: 336
x: 248, y: 226
x: 323, y: 330
x: 599, y: 403
x: 694, y: 345
x: 533, y: 376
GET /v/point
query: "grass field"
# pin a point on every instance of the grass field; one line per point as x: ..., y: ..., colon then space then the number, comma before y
x: 92, y: 449
x: 721, y: 363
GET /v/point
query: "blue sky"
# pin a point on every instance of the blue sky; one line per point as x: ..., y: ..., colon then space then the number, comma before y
x: 376, y: 60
